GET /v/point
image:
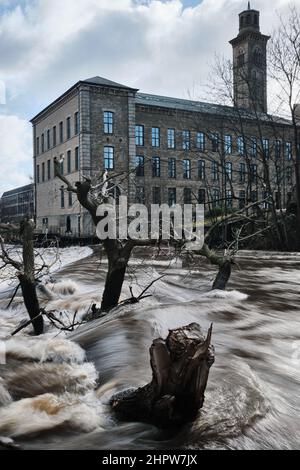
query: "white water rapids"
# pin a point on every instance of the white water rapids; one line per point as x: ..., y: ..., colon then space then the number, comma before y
x: 54, y: 396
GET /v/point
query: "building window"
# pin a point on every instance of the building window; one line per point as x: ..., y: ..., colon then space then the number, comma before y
x: 155, y: 167
x: 215, y: 198
x: 288, y: 151
x: 187, y: 169
x: 38, y: 146
x: 201, y: 170
x: 69, y: 155
x: 48, y: 140
x: 171, y: 138
x: 278, y: 149
x: 215, y: 171
x: 49, y: 169
x: 38, y: 173
x: 109, y: 158
x: 68, y: 128
x: 76, y: 123
x: 43, y: 143
x: 54, y: 136
x: 76, y: 158
x: 227, y: 144
x: 229, y: 199
x: 156, y: 196
x: 155, y: 137
x: 61, y: 132
x: 140, y: 166
x: 70, y: 199
x: 62, y: 198
x: 186, y: 140
x: 254, y: 196
x: 253, y: 173
x: 200, y: 141
x: 43, y: 172
x: 140, y: 195
x: 171, y: 197
x: 214, y: 142
x: 139, y: 136
x: 266, y: 148
x: 253, y: 147
x: 241, y: 57
x: 228, y: 171
x: 242, y: 199
x: 172, y: 168
x: 242, y: 172
x: 258, y: 57
x: 288, y: 175
x: 61, y: 164
x: 187, y: 196
x: 266, y: 203
x: 201, y: 196
x: 241, y: 145
x: 108, y: 120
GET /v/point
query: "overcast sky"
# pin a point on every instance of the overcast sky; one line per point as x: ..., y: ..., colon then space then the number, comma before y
x: 159, y: 46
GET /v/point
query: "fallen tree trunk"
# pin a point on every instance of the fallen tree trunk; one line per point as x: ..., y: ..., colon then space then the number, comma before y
x: 180, y: 366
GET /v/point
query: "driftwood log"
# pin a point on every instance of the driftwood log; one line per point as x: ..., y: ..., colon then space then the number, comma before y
x: 180, y: 366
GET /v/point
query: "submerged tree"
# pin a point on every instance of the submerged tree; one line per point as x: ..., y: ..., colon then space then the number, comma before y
x: 118, y: 251
x: 180, y: 369
x: 25, y: 269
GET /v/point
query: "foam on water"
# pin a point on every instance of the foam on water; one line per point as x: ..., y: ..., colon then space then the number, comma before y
x: 252, y: 397
x: 5, y: 396
x: 233, y: 295
x: 47, y: 412
x: 45, y: 349
x: 64, y: 287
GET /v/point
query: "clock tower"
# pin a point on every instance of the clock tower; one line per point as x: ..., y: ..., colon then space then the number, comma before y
x: 250, y: 63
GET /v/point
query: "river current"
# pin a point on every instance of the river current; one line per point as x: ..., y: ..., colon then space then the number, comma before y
x: 54, y: 390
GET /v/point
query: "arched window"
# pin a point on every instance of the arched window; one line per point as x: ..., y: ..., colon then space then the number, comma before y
x: 241, y: 58
x: 257, y: 56
x: 256, y: 19
x: 248, y: 19
x: 242, y: 22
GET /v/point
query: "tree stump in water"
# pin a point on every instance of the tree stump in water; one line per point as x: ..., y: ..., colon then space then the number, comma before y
x: 180, y: 366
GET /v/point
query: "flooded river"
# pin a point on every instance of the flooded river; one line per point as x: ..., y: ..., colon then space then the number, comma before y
x: 53, y: 397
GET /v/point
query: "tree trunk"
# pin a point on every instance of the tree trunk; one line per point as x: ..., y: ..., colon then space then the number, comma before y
x: 113, y: 288
x: 31, y: 303
x: 27, y: 279
x: 118, y: 257
x: 223, y: 276
x: 180, y: 366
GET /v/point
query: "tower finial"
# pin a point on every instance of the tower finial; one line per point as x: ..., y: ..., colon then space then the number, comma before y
x: 249, y: 7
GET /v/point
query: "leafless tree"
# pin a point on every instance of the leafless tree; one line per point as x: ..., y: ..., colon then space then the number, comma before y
x: 284, y: 65
x: 25, y: 269
x: 91, y: 194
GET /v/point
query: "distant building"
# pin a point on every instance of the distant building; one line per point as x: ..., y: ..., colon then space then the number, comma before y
x: 17, y: 204
x: 178, y: 150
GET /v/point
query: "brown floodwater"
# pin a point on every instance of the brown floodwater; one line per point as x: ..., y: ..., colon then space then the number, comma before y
x: 54, y: 398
